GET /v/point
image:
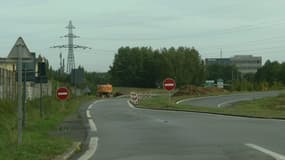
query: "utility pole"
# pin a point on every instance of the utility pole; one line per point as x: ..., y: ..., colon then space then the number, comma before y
x: 20, y: 95
x: 41, y: 101
x: 70, y: 46
x: 221, y: 53
x: 24, y: 98
x: 41, y: 75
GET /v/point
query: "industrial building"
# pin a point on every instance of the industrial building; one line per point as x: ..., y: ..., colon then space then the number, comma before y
x: 244, y: 63
x: 8, y: 70
x: 220, y: 61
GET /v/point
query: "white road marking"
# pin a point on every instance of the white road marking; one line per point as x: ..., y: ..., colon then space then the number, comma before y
x: 232, y: 101
x: 197, y: 98
x: 93, y: 127
x: 131, y: 105
x: 91, y: 149
x: 88, y: 114
x: 90, y: 106
x: 93, y: 139
x: 276, y: 156
x: 205, y: 97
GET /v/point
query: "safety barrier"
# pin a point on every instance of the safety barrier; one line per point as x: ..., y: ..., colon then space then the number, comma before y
x: 134, y: 99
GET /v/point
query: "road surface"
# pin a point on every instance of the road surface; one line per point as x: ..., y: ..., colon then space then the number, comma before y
x: 121, y: 132
x: 226, y: 100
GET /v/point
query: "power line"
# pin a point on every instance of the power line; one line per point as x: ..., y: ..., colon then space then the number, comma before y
x: 70, y: 46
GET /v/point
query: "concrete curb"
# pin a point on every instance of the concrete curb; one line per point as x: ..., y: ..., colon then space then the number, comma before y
x: 76, y: 146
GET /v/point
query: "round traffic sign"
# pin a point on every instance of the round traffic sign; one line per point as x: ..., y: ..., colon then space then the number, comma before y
x: 62, y: 93
x: 169, y: 84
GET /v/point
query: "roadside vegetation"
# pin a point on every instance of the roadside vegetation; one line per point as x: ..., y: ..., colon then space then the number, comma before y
x: 38, y: 144
x: 273, y: 107
x: 127, y: 90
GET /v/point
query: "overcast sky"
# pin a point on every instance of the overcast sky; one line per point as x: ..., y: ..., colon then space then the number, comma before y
x: 237, y: 26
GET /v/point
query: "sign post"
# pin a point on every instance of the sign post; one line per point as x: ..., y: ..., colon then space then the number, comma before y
x: 220, y: 83
x: 169, y: 85
x: 62, y: 94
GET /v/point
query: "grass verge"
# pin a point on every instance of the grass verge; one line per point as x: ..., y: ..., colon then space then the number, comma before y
x: 271, y: 108
x: 38, y: 144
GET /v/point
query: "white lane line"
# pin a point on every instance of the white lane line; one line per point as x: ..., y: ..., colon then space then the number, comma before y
x: 131, y: 105
x: 88, y: 114
x: 93, y: 143
x: 93, y: 127
x: 205, y: 97
x: 90, y: 106
x: 232, y: 101
x: 199, y: 98
x: 91, y: 149
x: 226, y: 102
x: 277, y: 156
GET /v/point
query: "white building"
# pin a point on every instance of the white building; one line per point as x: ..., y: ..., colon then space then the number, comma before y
x: 247, y: 63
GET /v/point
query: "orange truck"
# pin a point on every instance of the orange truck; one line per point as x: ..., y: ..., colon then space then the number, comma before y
x: 104, y: 90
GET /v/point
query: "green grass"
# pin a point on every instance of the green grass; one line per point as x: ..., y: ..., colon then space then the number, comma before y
x: 38, y: 144
x: 273, y: 107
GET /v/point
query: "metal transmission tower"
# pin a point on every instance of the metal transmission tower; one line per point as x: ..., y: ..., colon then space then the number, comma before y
x: 70, y: 46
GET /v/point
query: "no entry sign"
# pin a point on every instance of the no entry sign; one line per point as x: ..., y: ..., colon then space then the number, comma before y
x: 169, y: 84
x: 62, y: 93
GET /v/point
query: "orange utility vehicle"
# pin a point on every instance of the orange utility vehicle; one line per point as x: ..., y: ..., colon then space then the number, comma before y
x: 104, y: 90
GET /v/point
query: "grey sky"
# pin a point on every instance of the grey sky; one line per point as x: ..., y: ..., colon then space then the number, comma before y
x: 238, y: 27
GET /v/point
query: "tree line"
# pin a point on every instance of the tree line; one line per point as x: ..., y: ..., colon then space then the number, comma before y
x: 146, y: 67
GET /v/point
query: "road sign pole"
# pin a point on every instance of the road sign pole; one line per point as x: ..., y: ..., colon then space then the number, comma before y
x: 20, y: 94
x: 24, y: 99
x: 62, y: 104
x: 41, y: 95
x: 169, y: 85
x: 169, y: 97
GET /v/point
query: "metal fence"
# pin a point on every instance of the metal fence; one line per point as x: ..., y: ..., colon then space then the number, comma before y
x: 8, y: 84
x: 8, y: 87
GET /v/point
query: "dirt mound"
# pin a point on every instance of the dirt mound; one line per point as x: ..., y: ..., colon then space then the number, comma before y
x: 194, y: 90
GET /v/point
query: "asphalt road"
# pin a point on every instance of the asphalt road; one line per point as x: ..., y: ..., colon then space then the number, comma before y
x: 226, y: 100
x: 125, y: 133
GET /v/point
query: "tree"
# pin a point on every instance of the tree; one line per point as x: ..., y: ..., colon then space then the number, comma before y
x: 145, y: 67
x: 270, y: 72
x: 225, y: 72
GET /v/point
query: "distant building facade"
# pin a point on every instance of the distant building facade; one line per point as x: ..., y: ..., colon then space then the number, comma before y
x: 221, y: 61
x: 247, y: 63
x: 244, y: 63
x: 8, y: 72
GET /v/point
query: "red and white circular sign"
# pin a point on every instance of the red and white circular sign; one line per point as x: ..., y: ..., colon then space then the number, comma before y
x: 169, y: 84
x: 62, y: 93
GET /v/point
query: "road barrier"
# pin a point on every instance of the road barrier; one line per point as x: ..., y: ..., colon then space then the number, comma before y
x: 134, y: 98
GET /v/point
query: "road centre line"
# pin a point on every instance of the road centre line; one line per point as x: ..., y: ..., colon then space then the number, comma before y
x: 276, y: 156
